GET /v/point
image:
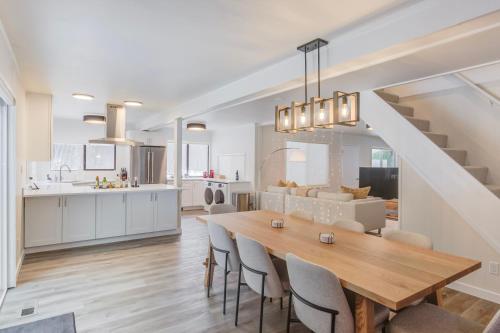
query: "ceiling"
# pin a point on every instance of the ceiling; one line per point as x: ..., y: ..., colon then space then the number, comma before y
x: 161, y: 52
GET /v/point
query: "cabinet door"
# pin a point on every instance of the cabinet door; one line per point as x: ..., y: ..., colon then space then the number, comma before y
x: 167, y: 210
x: 198, y: 193
x: 78, y: 218
x: 110, y: 215
x: 140, y: 212
x: 187, y: 196
x: 42, y: 221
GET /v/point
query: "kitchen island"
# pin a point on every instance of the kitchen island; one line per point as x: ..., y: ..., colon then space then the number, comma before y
x: 59, y: 216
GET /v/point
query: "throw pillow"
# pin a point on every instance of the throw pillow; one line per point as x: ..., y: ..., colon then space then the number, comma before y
x: 291, y: 184
x: 358, y: 193
x: 282, y: 183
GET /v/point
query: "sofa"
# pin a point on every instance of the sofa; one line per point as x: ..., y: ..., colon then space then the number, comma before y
x: 325, y: 207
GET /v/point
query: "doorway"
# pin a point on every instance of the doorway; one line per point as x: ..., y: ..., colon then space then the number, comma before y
x: 350, y: 166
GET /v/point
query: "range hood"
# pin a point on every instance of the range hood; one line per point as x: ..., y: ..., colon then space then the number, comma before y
x: 116, y: 119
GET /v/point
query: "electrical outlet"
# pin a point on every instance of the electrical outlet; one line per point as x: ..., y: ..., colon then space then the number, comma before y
x: 494, y: 268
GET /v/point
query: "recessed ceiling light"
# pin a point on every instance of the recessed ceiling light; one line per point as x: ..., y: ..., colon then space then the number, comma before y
x: 132, y: 103
x: 94, y: 119
x: 86, y: 97
x: 196, y: 127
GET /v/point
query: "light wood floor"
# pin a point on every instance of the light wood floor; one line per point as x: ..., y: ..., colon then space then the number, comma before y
x: 154, y: 285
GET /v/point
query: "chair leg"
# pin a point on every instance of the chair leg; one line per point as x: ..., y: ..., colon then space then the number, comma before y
x: 238, y: 298
x: 262, y: 299
x: 225, y: 286
x: 209, y: 277
x: 288, y: 318
x: 281, y: 303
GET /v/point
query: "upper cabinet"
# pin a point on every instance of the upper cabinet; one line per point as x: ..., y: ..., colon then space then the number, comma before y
x: 150, y: 138
x: 38, y: 127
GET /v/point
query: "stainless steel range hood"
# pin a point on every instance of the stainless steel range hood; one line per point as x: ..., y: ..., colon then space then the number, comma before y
x: 116, y: 119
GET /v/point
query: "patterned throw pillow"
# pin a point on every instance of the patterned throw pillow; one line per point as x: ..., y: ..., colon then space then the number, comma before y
x: 358, y: 193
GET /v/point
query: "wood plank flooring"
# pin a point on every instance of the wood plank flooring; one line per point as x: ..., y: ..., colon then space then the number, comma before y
x: 155, y: 285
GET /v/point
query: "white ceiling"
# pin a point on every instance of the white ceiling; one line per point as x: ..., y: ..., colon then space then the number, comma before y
x: 161, y: 52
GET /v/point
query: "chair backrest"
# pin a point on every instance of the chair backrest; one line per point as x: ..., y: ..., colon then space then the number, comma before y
x: 320, y: 287
x: 410, y: 238
x: 254, y: 255
x: 302, y: 215
x: 219, y: 238
x: 350, y: 225
x: 222, y: 209
x: 494, y: 324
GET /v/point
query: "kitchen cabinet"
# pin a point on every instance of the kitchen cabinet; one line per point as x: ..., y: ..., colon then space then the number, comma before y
x: 78, y: 218
x: 140, y: 212
x: 198, y: 193
x: 38, y: 122
x: 111, y: 215
x: 192, y: 193
x: 43, y: 221
x: 187, y: 194
x: 166, y: 212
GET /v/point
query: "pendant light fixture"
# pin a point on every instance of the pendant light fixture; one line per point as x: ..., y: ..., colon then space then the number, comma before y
x: 345, y: 108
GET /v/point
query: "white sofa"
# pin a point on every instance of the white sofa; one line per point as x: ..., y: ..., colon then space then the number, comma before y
x: 327, y: 207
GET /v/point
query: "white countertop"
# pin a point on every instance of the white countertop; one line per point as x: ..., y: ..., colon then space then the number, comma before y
x: 70, y: 189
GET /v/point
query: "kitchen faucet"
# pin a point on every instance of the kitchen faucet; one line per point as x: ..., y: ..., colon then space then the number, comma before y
x: 60, y: 171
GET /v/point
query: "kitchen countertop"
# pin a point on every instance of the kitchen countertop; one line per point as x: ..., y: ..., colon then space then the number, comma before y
x: 70, y: 189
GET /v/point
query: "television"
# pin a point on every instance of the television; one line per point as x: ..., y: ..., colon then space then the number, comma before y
x: 383, y: 181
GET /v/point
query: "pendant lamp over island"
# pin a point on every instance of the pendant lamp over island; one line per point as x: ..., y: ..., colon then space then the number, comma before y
x: 317, y: 112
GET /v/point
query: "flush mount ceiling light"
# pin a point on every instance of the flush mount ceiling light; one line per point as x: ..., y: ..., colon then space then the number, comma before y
x: 94, y: 119
x: 341, y: 109
x: 85, y: 97
x: 132, y: 103
x: 196, y: 127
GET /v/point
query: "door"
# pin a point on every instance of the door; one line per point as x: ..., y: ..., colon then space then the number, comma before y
x: 78, y: 218
x: 166, y: 210
x: 208, y: 194
x: 187, y: 194
x: 42, y: 221
x: 198, y: 192
x: 219, y: 196
x: 111, y: 215
x: 350, y: 166
x: 140, y: 212
x: 158, y: 162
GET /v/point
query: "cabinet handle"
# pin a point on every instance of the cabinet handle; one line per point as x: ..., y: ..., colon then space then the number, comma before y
x: 65, y: 202
x: 59, y: 202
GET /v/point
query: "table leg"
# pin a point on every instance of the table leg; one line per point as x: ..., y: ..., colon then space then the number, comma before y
x: 436, y: 297
x: 209, y: 267
x: 365, y: 321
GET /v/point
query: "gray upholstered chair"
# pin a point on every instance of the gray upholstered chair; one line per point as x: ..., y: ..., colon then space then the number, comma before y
x: 428, y: 318
x: 410, y: 238
x: 302, y: 215
x: 350, y: 225
x: 260, y: 273
x: 222, y: 209
x: 319, y: 299
x: 225, y: 254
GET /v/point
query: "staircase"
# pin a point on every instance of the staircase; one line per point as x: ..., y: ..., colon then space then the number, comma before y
x: 441, y: 140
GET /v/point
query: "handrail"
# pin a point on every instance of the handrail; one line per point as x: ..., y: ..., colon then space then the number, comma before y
x: 492, y: 98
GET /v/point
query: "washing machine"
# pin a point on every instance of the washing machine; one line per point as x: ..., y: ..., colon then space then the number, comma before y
x: 215, y: 193
x: 208, y: 195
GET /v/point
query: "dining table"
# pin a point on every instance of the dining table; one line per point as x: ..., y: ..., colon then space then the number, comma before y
x: 377, y: 270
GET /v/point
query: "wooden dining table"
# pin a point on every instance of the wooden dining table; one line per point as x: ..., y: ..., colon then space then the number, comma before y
x: 375, y: 269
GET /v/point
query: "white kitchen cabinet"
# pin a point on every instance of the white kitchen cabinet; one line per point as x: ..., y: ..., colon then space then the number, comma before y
x: 78, y: 218
x: 38, y: 122
x: 192, y: 193
x: 187, y: 196
x: 166, y: 212
x: 198, y: 193
x: 140, y: 212
x: 111, y: 213
x: 43, y: 221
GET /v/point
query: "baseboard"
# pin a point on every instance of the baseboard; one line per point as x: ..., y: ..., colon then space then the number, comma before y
x: 19, y: 265
x: 476, y: 291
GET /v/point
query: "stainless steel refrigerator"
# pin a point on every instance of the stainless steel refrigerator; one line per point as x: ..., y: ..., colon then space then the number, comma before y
x: 148, y: 164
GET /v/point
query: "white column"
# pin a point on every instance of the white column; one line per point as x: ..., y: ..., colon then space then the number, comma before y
x: 178, y: 152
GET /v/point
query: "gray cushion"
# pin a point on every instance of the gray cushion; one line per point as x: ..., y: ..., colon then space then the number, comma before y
x: 428, y: 318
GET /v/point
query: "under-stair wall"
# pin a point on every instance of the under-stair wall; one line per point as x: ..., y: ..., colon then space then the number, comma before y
x: 473, y: 202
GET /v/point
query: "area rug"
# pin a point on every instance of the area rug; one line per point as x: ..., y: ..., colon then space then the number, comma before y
x: 60, y: 324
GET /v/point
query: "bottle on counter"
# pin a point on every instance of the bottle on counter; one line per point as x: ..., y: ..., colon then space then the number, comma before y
x: 237, y: 175
x: 97, y: 182
x: 104, y: 182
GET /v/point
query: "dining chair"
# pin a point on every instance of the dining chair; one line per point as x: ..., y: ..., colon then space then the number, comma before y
x: 261, y: 273
x: 302, y: 215
x: 429, y: 318
x: 350, y: 225
x: 319, y: 299
x: 222, y: 209
x: 225, y: 254
x: 408, y: 237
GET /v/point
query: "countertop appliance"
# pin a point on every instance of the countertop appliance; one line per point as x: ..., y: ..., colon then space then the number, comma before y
x: 148, y: 164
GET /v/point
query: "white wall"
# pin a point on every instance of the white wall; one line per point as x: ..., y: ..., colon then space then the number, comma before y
x: 424, y: 211
x: 235, y: 140
x: 365, y: 143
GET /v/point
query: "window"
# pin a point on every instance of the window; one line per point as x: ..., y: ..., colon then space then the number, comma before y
x: 195, y: 159
x: 383, y: 158
x: 100, y: 157
x: 69, y: 154
x: 307, y: 163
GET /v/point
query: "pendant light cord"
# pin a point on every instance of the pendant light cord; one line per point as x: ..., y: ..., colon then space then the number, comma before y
x: 319, y: 85
x: 305, y: 76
